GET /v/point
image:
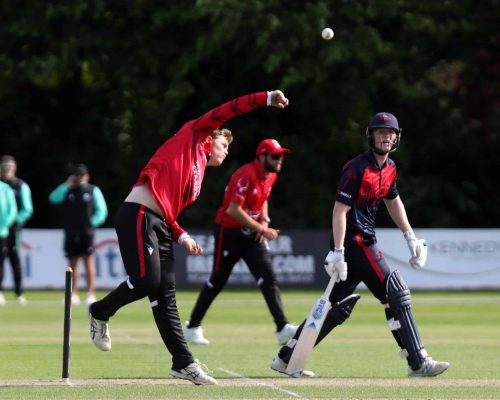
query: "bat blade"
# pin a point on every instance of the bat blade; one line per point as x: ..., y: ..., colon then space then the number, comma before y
x: 310, y: 332
x: 307, y: 338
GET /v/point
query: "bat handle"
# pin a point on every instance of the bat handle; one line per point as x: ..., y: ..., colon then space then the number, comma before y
x: 330, y: 285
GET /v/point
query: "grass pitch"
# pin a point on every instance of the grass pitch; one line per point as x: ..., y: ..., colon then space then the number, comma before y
x: 359, y: 360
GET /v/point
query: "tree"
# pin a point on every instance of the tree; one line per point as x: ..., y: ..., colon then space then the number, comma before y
x: 105, y: 82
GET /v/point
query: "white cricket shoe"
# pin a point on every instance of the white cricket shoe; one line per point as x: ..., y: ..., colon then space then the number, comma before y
x: 90, y: 298
x: 195, y: 335
x: 99, y: 333
x: 279, y: 365
x: 430, y: 367
x: 194, y: 372
x: 2, y: 299
x: 286, y: 333
x: 21, y: 299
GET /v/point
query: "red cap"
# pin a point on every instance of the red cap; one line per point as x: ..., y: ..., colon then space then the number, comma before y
x: 272, y: 147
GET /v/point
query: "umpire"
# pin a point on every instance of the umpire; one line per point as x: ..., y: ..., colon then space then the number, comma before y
x: 242, y: 230
x: 84, y: 210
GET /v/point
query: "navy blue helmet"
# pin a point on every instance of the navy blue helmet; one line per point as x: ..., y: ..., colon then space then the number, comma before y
x: 384, y: 120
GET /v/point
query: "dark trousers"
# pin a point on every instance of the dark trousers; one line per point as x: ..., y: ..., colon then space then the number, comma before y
x: 10, y: 249
x: 365, y: 263
x: 146, y: 249
x: 232, y: 244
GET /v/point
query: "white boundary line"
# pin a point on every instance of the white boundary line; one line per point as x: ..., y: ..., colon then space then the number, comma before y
x: 254, y: 381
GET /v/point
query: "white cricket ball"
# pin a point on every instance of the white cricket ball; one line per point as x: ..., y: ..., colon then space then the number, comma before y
x: 327, y: 33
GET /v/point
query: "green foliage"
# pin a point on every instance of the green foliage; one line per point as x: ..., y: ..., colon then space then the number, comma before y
x: 106, y: 82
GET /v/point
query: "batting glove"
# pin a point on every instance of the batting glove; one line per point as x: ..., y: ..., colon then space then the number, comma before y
x: 335, y: 262
x: 418, y: 250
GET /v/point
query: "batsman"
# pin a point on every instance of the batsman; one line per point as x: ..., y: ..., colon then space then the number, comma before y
x: 365, y: 182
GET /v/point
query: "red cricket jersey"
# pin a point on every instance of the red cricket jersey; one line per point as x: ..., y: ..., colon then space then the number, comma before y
x: 249, y: 187
x: 175, y: 172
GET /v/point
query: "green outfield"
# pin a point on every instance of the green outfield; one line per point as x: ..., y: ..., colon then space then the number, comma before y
x: 360, y: 360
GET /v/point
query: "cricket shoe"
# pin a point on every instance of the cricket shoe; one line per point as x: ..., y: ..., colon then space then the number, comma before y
x: 3, y: 301
x: 286, y: 333
x: 21, y: 299
x: 429, y: 367
x: 194, y: 372
x: 195, y: 335
x: 279, y: 365
x: 99, y: 333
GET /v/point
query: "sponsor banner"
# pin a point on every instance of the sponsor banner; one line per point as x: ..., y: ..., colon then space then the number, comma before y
x: 296, y: 256
x: 458, y: 259
x: 44, y: 264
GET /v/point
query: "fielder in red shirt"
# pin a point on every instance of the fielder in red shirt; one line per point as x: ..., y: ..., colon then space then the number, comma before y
x: 146, y: 226
x: 241, y: 232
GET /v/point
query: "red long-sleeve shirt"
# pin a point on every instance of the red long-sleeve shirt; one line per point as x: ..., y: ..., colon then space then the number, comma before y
x: 175, y: 172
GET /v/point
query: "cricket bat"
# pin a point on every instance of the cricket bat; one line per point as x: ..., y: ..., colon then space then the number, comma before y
x: 310, y: 331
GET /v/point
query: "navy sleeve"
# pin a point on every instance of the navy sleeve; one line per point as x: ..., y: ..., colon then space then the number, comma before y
x: 392, y: 173
x: 348, y: 186
x: 393, y: 191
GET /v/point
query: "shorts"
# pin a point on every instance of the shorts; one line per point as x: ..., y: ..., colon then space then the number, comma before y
x: 79, y: 244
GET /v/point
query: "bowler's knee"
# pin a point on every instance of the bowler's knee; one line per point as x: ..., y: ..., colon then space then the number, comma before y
x: 147, y: 285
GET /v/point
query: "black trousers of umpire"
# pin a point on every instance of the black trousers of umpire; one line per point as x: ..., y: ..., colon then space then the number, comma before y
x: 146, y: 248
x: 231, y: 244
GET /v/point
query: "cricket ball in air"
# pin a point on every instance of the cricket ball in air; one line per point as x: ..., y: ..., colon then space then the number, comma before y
x: 327, y: 33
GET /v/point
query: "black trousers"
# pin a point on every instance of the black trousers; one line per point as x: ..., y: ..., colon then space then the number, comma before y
x: 146, y: 248
x: 365, y: 263
x: 9, y: 248
x: 232, y: 244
